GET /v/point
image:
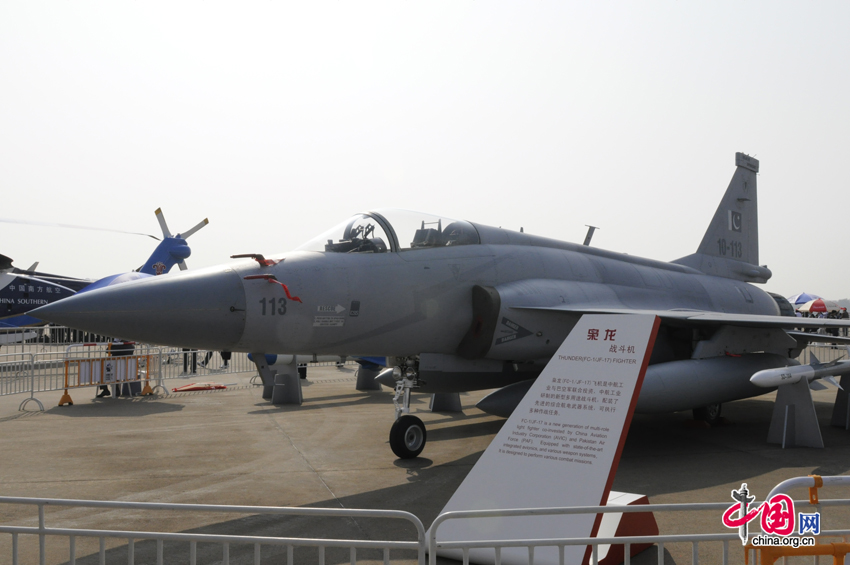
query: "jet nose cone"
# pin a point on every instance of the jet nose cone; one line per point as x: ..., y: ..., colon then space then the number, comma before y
x: 202, y: 309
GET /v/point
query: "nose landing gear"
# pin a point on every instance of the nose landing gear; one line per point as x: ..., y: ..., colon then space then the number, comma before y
x: 407, y: 436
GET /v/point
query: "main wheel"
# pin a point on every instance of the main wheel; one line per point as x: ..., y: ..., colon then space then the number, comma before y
x: 710, y: 414
x: 407, y: 437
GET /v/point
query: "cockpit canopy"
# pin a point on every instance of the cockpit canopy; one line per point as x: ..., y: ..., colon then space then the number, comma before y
x: 393, y: 230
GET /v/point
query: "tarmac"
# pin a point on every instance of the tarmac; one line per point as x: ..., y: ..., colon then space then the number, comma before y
x: 233, y: 447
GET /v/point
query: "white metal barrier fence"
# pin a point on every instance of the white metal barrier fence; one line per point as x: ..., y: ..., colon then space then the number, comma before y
x: 76, y: 366
x: 44, y: 338
x: 45, y: 364
x: 15, y: 373
x: 181, y: 363
x: 57, y: 338
x: 17, y: 377
x: 530, y: 545
x: 253, y: 545
x: 256, y: 543
x: 824, y: 353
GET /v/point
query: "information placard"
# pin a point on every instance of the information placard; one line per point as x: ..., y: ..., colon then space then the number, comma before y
x: 561, y: 445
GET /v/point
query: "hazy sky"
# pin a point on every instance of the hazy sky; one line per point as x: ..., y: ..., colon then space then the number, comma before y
x: 278, y: 120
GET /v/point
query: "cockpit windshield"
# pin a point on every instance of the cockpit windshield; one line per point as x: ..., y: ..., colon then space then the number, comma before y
x: 393, y: 230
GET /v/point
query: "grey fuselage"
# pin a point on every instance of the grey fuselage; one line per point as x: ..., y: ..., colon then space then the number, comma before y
x: 420, y: 302
x: 409, y: 302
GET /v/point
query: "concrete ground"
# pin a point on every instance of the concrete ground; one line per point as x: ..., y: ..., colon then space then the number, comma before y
x: 232, y: 447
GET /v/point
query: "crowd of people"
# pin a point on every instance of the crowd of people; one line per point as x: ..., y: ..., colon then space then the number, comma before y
x: 840, y: 314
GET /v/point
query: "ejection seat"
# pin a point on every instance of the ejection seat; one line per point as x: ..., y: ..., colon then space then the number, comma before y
x: 427, y: 237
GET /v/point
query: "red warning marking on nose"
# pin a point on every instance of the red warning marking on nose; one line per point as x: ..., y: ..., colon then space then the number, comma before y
x: 273, y: 279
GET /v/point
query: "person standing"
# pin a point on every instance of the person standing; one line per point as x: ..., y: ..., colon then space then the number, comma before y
x: 121, y: 348
x: 186, y: 351
x: 833, y: 315
x: 104, y: 389
x: 225, y: 357
x: 118, y: 348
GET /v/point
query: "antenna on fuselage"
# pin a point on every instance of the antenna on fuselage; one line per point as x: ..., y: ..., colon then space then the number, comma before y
x: 589, y: 236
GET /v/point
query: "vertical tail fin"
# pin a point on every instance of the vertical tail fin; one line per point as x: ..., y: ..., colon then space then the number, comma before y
x: 730, y: 246
x: 734, y: 231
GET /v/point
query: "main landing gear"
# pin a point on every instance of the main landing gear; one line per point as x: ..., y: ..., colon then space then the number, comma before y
x: 407, y: 436
x: 709, y: 414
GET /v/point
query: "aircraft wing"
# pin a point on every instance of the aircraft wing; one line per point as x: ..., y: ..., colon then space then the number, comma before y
x: 704, y: 317
x: 805, y: 338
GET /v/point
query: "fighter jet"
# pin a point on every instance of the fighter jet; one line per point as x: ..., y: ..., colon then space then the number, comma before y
x: 460, y: 306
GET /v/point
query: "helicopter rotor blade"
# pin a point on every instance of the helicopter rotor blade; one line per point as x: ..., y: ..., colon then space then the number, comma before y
x: 72, y: 226
x: 202, y: 223
x: 160, y: 217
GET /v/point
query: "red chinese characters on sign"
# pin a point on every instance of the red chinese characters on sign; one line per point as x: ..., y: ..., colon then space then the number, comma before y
x: 593, y: 335
x: 778, y: 516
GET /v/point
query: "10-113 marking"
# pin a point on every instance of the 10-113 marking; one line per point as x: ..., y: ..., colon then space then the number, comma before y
x: 733, y: 248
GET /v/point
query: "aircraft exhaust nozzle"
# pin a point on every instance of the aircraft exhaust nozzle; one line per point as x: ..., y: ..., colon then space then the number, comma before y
x: 202, y: 309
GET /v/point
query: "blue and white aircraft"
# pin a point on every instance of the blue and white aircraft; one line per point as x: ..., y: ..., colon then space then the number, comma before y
x: 22, y: 290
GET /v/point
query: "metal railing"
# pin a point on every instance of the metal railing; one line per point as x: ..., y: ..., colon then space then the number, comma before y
x: 47, y: 361
x: 44, y: 338
x: 824, y: 353
x: 33, y: 373
x: 193, y: 539
x: 178, y: 363
x: 17, y: 376
x: 15, y: 373
x: 496, y: 547
x: 177, y: 543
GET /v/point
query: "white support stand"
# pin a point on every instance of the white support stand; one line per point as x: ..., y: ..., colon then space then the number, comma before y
x: 446, y: 402
x: 841, y: 410
x: 287, y: 387
x: 266, y: 374
x: 366, y: 379
x: 794, y: 422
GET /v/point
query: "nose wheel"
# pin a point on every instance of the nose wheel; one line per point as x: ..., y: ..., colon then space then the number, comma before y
x: 407, y: 437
